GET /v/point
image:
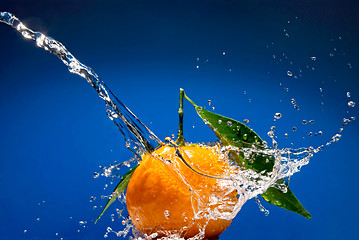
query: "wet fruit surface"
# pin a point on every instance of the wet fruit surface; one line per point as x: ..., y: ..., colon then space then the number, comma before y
x: 164, y: 194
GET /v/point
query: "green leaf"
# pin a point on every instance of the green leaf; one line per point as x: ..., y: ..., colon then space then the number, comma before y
x: 285, y: 200
x: 234, y: 133
x: 120, y: 188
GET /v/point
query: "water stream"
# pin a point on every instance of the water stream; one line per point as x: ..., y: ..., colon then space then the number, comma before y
x: 139, y: 139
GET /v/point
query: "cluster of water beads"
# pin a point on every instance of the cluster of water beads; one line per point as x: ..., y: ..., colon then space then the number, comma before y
x: 249, y: 183
x: 261, y: 207
x: 209, y: 104
x: 140, y: 139
x: 307, y: 122
x: 114, y: 169
x: 82, y: 223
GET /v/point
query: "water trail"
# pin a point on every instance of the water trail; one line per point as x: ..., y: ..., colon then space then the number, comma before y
x: 139, y: 139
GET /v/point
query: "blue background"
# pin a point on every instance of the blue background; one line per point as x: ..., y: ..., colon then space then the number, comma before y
x: 54, y: 132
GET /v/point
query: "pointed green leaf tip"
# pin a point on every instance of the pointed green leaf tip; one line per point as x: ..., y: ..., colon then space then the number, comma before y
x: 120, y: 188
x: 237, y: 134
x: 285, y: 200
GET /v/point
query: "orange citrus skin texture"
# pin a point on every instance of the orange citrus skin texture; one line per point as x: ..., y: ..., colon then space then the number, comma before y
x: 164, y: 193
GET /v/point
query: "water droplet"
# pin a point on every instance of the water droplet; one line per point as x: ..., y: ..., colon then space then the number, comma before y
x: 346, y: 121
x: 209, y: 102
x: 294, y: 129
x: 244, y: 92
x: 331, y: 54
x: 213, y: 108
x: 25, y: 231
x: 223, y: 53
x: 348, y: 94
x: 292, y: 101
x: 270, y: 134
x: 167, y: 214
x: 311, y: 121
x: 38, y: 219
x: 286, y: 135
x: 277, y: 115
x: 313, y: 58
x: 245, y: 136
x: 219, y: 121
x: 296, y: 107
x: 249, y: 100
x: 349, y: 65
x: 320, y: 132
x: 229, y: 123
x: 351, y: 104
x: 246, y: 121
x: 320, y: 89
x: 289, y: 73
x: 197, y: 67
x: 152, y: 236
x: 304, y: 121
x: 310, y: 134
x: 352, y: 118
x: 336, y: 137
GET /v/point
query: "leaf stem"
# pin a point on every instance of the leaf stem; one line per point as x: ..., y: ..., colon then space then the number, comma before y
x: 180, y: 139
x: 188, y: 99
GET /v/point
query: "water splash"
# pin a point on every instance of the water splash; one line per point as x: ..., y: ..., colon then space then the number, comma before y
x: 139, y: 139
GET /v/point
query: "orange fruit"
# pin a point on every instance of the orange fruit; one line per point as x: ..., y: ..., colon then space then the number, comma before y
x: 166, y: 197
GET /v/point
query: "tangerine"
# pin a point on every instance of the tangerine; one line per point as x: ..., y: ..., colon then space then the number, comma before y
x: 166, y: 197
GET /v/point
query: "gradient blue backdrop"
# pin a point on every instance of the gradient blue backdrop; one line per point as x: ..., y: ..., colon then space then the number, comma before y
x: 54, y: 132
